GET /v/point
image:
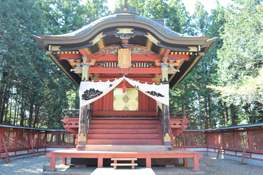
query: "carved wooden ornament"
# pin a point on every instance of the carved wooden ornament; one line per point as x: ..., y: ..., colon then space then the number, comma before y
x: 124, y: 58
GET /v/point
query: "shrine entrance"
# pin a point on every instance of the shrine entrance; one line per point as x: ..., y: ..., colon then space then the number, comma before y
x: 125, y: 65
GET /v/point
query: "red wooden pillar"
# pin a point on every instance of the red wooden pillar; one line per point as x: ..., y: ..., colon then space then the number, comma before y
x: 16, y: 137
x: 100, y: 161
x: 235, y: 140
x: 196, y: 162
x: 45, y: 139
x: 148, y: 161
x: 186, y: 162
x: 184, y: 140
x: 4, y: 144
x: 64, y: 160
x: 52, y: 162
x: 249, y: 140
x: 38, y: 139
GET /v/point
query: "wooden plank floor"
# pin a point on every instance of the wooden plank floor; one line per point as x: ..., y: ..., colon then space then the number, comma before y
x: 100, y: 155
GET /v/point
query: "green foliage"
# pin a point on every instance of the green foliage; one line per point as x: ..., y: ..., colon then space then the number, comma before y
x: 225, y: 88
x: 240, y: 59
x: 33, y: 90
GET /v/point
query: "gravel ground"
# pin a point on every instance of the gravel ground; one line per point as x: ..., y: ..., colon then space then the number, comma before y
x: 34, y: 165
x: 225, y: 166
x: 26, y: 166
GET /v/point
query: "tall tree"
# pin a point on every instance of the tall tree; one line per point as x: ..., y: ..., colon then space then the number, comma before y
x: 241, y: 56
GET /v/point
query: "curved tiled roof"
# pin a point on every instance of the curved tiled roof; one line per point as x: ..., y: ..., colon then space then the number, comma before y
x: 86, y: 28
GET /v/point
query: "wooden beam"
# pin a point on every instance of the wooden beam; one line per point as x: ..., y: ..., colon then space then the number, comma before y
x: 105, y: 70
x: 125, y: 113
x: 114, y: 57
x: 166, y: 52
x: 128, y: 76
x: 182, y: 57
x: 67, y: 56
x: 85, y: 52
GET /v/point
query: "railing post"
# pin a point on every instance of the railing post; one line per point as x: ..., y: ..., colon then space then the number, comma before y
x: 16, y: 139
x: 249, y: 140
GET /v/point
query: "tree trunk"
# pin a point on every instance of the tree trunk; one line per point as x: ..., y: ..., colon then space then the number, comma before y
x: 209, y: 112
x: 186, y: 103
x: 3, y: 105
x: 30, y: 114
x: 22, y: 114
x: 15, y: 110
x: 225, y: 113
x: 1, y: 102
x: 233, y: 114
x: 5, y: 114
x: 36, y: 116
x: 206, y: 112
x: 10, y: 111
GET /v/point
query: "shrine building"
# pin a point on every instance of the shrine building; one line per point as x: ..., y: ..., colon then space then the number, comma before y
x: 124, y: 65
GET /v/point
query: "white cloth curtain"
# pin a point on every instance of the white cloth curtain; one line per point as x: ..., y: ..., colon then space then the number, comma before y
x: 160, y: 93
x: 102, y: 88
x: 90, y: 91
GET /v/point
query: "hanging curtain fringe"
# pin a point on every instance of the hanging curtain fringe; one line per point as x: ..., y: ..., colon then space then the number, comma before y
x: 90, y: 91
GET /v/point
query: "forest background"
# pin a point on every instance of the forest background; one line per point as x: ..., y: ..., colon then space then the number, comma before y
x: 225, y: 88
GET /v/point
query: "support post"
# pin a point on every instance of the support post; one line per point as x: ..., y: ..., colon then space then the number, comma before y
x: 64, y: 160
x: 244, y: 150
x: 52, y: 164
x: 186, y: 162
x: 16, y: 139
x: 166, y: 125
x: 148, y: 161
x: 82, y: 136
x: 5, y: 148
x: 100, y: 161
x: 196, y: 163
x: 235, y: 140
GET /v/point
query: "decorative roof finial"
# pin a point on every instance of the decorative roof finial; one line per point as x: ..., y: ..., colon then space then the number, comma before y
x: 125, y: 9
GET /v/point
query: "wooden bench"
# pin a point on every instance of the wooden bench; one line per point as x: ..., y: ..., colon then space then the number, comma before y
x: 132, y: 164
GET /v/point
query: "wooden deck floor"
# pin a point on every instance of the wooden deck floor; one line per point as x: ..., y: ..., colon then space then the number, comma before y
x: 100, y: 155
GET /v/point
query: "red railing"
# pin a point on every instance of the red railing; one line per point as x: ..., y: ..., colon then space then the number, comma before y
x: 30, y: 141
x: 233, y: 142
x: 19, y: 141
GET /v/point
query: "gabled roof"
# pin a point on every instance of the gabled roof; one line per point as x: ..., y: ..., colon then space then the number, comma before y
x: 141, y: 30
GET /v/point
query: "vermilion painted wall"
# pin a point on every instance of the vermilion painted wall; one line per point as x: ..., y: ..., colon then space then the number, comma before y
x: 106, y: 102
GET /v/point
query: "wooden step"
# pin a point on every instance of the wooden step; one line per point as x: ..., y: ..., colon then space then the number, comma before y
x: 117, y: 121
x: 123, y: 164
x: 125, y: 141
x: 126, y: 126
x: 123, y: 158
x: 121, y: 131
x: 125, y: 136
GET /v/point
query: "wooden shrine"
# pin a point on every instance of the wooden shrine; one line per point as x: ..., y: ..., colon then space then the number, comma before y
x: 125, y: 65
